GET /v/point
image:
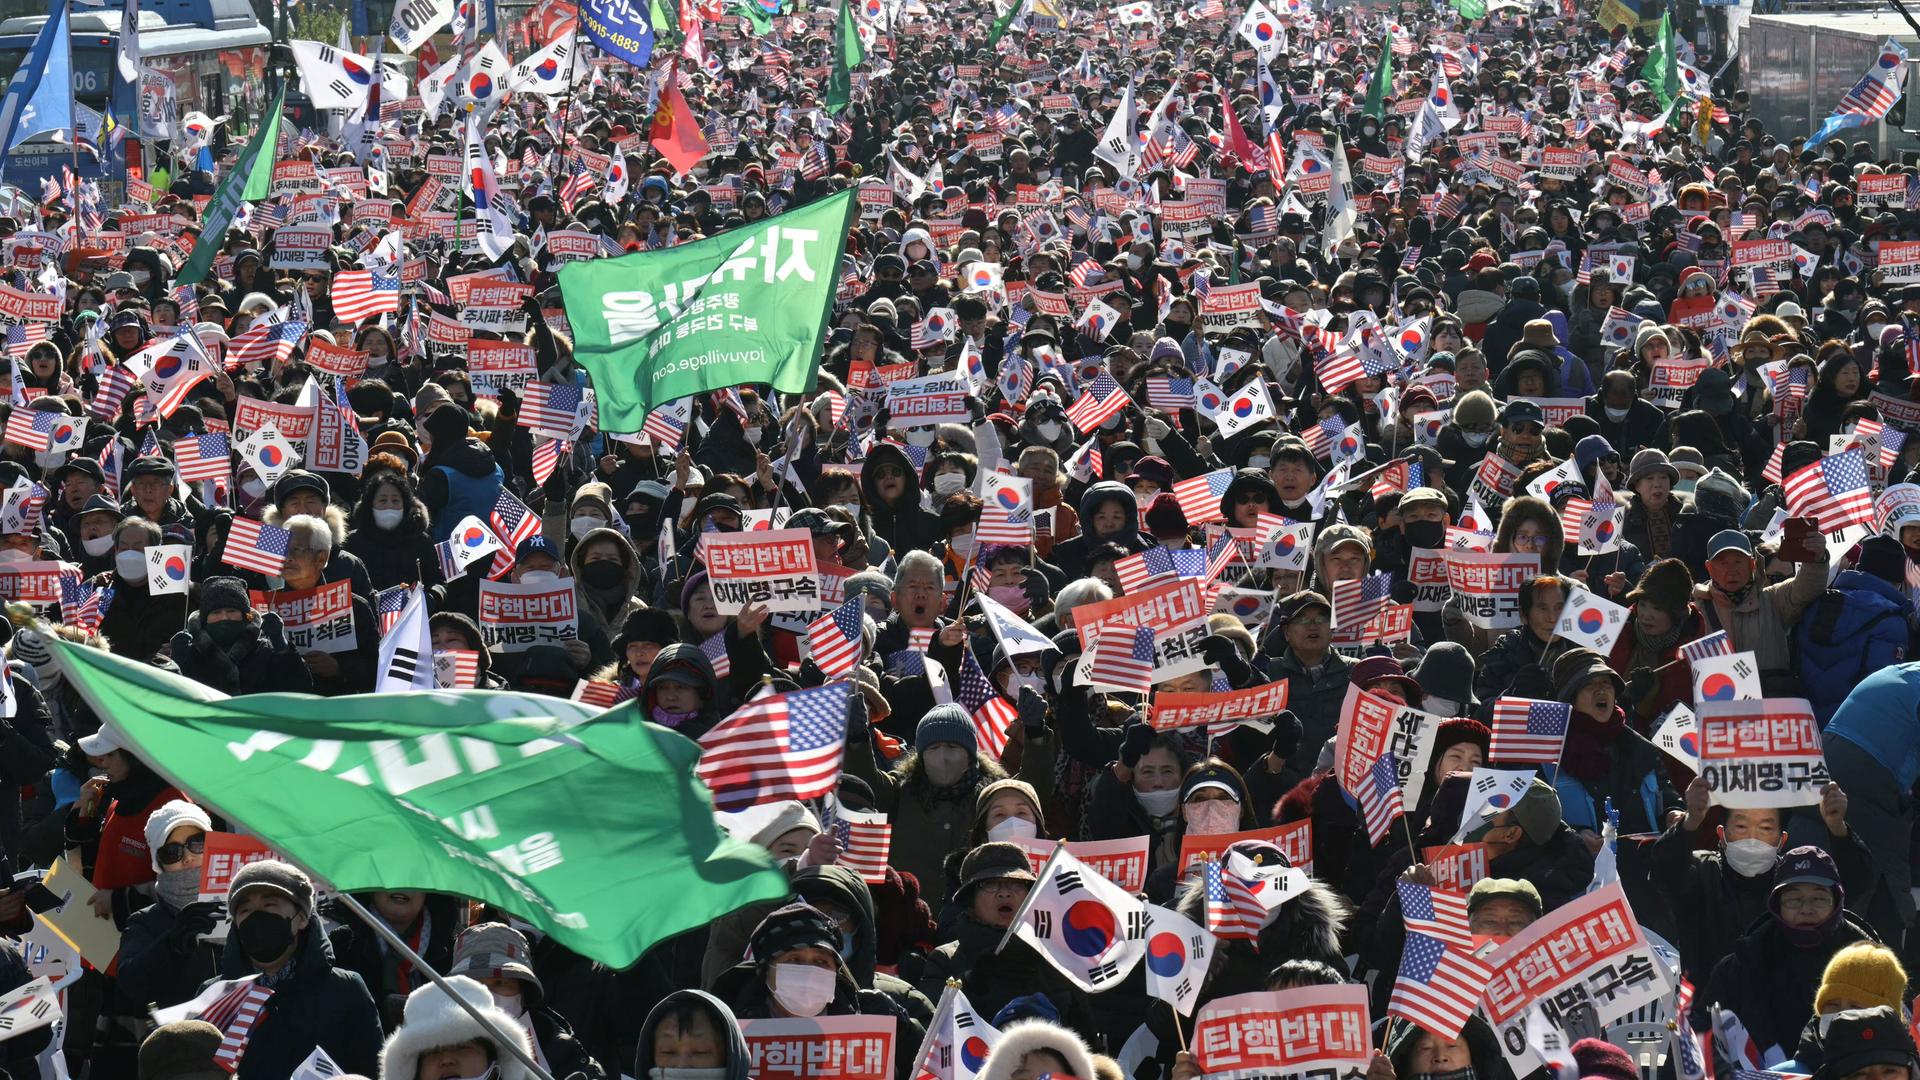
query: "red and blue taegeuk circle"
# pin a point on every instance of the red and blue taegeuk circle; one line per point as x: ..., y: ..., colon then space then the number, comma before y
x: 1089, y: 929
x: 1166, y: 955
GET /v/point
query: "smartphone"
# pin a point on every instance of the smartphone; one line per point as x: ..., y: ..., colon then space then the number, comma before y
x: 1802, y: 541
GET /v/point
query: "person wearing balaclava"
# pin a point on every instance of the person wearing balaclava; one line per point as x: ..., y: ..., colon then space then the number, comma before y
x: 164, y: 955
x: 498, y: 957
x: 795, y: 970
x: 1717, y: 893
x: 1769, y: 979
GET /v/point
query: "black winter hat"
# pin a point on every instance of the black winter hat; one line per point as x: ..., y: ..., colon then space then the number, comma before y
x: 1884, y: 558
x: 1447, y: 671
x: 1859, y: 1038
x: 224, y: 594
x: 795, y: 926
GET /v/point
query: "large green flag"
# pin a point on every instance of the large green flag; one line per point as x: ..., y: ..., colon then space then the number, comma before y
x: 594, y: 830
x: 1001, y: 24
x: 1662, y: 69
x: 751, y: 14
x: 749, y: 305
x: 251, y: 179
x: 847, y: 55
x: 1470, y: 9
x: 666, y: 25
x: 1381, y: 82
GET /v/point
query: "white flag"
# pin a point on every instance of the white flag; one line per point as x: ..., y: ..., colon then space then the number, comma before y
x: 28, y: 1008
x: 1489, y: 792
x: 1178, y: 953
x: 435, y: 84
x: 957, y: 1040
x: 1260, y: 29
x: 470, y: 542
x: 333, y: 79
x: 1340, y: 209
x: 1726, y: 678
x: 269, y: 452
x: 318, y: 1066
x: 1591, y: 620
x: 1015, y: 634
x: 553, y: 70
x: 406, y: 651
x: 493, y: 229
x: 1087, y: 927
x: 130, y: 41
x: 1251, y: 406
x: 417, y: 20
x: 1677, y: 734
x: 169, y: 569
x: 1117, y: 146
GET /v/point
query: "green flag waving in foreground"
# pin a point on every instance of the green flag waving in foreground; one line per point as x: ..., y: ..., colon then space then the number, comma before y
x: 250, y: 180
x: 593, y: 830
x: 750, y: 305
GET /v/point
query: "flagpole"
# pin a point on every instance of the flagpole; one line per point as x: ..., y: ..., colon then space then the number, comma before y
x: 1026, y: 905
x: 509, y: 1041
x: 73, y: 134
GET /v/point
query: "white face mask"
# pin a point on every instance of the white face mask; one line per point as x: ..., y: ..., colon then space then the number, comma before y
x: 538, y: 577
x: 581, y: 526
x: 140, y: 278
x: 1258, y: 462
x: 1015, y: 681
x: 511, y: 1004
x: 1134, y: 262
x: 947, y: 483
x: 1476, y: 438
x: 1751, y: 858
x: 1873, y: 333
x: 1158, y: 803
x: 49, y: 459
x: 945, y: 765
x: 1440, y: 706
x: 961, y: 545
x: 97, y: 546
x: 802, y: 989
x: 252, y: 488
x: 920, y: 437
x: 1010, y: 828
x: 1617, y: 415
x: 1048, y: 429
x: 659, y: 1072
x: 131, y: 565
x: 851, y: 508
x: 388, y: 519
x: 752, y: 433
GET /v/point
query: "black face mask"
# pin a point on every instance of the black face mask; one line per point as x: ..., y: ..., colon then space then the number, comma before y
x: 643, y: 524
x: 1424, y: 534
x: 603, y: 574
x: 265, y: 936
x: 224, y: 634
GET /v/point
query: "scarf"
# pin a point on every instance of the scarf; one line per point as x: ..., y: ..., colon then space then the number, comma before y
x: 1660, y: 530
x: 1652, y: 651
x: 1589, y: 752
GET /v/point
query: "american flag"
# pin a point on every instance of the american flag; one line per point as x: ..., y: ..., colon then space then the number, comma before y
x: 1771, y: 471
x: 715, y: 650
x: 456, y: 669
x: 834, y: 639
x: 234, y: 1033
x: 254, y: 545
x: 1321, y: 436
x: 513, y: 523
x: 82, y: 605
x: 601, y: 694
x: 1834, y: 490
x: 1233, y: 911
x: 188, y: 301
x: 546, y: 458
x: 665, y: 429
x: 579, y: 181
x: 865, y: 840
x: 553, y: 408
x: 1102, y: 399
x: 1339, y: 369
x: 999, y: 525
x: 1525, y: 729
x: 1169, y: 392
x: 1123, y: 658
x: 777, y: 746
x: 1359, y: 599
x: 203, y: 457
x: 269, y: 344
x: 362, y: 294
x: 1142, y: 567
x: 1380, y: 799
x: 992, y: 713
x: 1714, y: 644
x: 23, y: 336
x: 1440, y: 912
x: 31, y: 428
x: 389, y: 605
x: 1439, y: 984
x: 1200, y: 496
x: 1876, y: 91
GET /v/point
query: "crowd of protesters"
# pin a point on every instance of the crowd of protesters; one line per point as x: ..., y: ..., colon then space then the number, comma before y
x: 1443, y: 313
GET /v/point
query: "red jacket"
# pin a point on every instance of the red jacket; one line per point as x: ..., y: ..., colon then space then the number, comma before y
x: 123, y: 858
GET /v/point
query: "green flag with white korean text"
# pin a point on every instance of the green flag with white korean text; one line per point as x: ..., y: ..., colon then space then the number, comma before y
x: 747, y: 306
x: 250, y: 180
x: 590, y: 826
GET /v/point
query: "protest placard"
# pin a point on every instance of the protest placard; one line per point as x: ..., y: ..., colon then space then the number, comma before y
x: 1171, y: 712
x: 223, y: 857
x: 1309, y: 1032
x: 1487, y: 585
x: 772, y: 568
x: 319, y: 618
x: 821, y: 1047
x: 516, y: 617
x: 1123, y: 861
x: 1177, y: 611
x: 1764, y: 753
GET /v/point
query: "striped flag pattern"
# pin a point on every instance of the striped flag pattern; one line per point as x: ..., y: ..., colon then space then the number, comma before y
x: 1525, y: 729
x: 361, y: 294
x: 1834, y: 490
x: 1714, y: 644
x: 257, y: 546
x: 1380, y: 799
x: 1123, y: 658
x: 203, y: 457
x: 1233, y: 911
x: 865, y: 840
x: 992, y: 713
x: 778, y: 746
x: 834, y: 639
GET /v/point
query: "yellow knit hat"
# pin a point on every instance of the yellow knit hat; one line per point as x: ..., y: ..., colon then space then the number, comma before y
x: 1863, y: 975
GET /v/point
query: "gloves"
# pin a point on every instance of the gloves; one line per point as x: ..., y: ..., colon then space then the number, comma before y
x: 1286, y: 735
x: 1039, y: 589
x: 1402, y: 590
x: 1033, y: 712
x: 196, y: 919
x: 1139, y: 740
x: 811, y: 675
x: 274, y: 631
x: 856, y: 713
x: 1215, y: 649
x: 1639, y: 684
x: 1157, y: 429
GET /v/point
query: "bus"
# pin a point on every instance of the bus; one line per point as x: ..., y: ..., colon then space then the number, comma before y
x: 209, y: 49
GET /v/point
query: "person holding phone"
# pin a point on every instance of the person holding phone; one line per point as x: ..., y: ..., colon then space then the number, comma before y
x: 1758, y: 617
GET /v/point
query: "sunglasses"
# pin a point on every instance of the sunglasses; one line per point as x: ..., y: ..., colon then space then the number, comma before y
x: 173, y: 853
x: 1247, y: 497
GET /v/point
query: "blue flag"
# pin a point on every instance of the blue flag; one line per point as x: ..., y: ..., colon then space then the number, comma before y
x: 619, y: 28
x: 40, y: 94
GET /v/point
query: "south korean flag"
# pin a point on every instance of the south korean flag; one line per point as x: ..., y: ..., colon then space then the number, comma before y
x: 1092, y: 930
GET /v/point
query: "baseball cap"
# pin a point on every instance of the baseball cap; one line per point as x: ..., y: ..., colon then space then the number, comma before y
x: 1729, y: 540
x: 102, y: 742
x: 1522, y: 412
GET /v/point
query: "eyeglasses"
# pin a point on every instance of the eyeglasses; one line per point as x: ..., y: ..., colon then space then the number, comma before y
x: 1246, y: 497
x: 173, y: 853
x: 1808, y: 904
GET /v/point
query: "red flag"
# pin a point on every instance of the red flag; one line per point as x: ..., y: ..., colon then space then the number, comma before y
x: 1237, y: 144
x: 676, y: 133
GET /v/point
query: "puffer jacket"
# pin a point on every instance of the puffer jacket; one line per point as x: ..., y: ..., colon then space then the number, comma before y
x: 1071, y: 555
x: 319, y: 1005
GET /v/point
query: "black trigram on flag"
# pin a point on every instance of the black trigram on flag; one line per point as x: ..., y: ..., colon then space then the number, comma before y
x: 405, y: 665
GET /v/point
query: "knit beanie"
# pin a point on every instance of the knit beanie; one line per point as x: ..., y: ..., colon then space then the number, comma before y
x: 1600, y: 1058
x: 1719, y: 495
x: 224, y: 594
x: 1165, y: 519
x: 944, y: 724
x: 1475, y: 407
x: 795, y: 926
x: 1862, y: 975
x: 1884, y: 558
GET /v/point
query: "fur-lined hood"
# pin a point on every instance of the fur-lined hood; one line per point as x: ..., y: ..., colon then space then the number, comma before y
x: 1022, y: 1038
x: 433, y: 1020
x: 1307, y: 927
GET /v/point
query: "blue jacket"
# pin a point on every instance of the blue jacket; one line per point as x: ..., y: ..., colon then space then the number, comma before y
x: 1879, y: 716
x: 1837, y: 641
